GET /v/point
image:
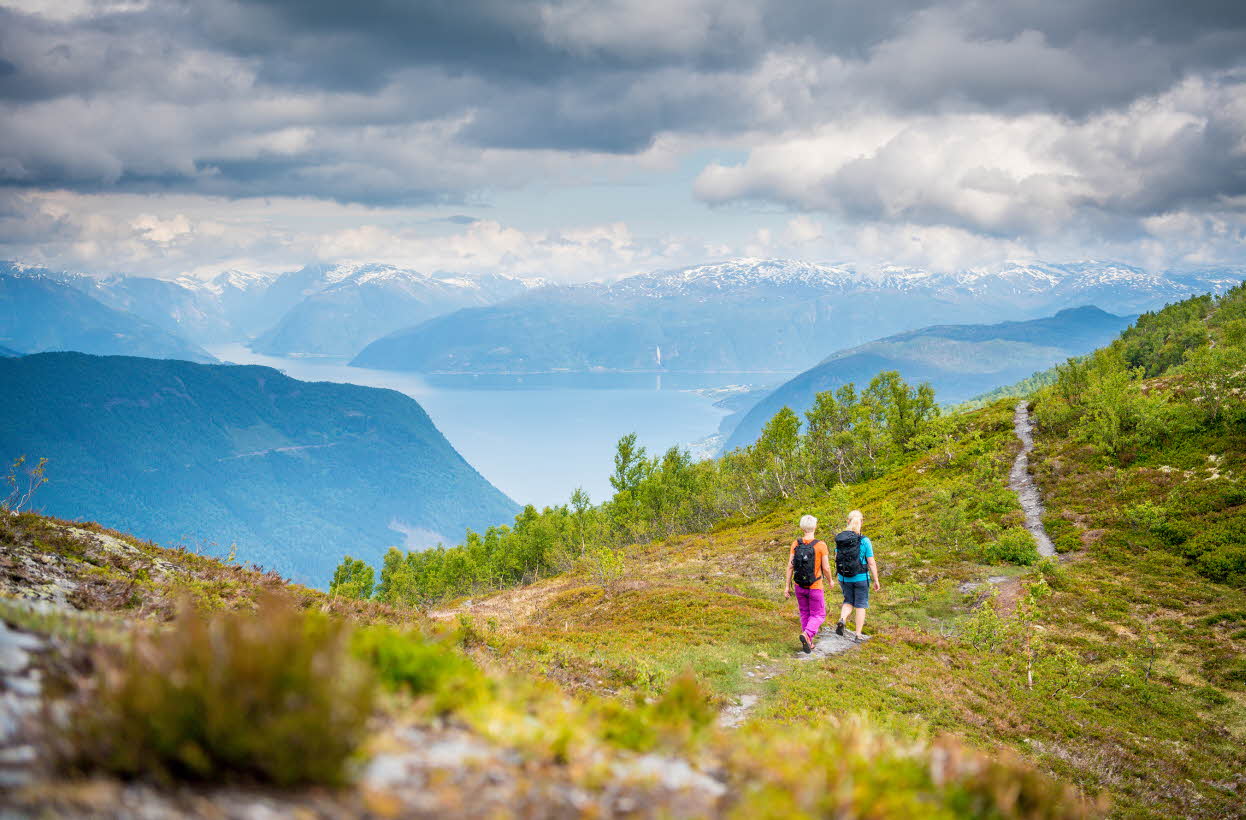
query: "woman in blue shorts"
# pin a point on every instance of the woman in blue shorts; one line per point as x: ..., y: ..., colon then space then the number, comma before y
x: 853, y: 551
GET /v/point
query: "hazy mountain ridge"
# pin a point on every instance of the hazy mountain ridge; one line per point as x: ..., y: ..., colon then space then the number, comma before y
x: 360, y: 303
x: 318, y: 309
x: 960, y: 362
x: 293, y: 472
x: 41, y: 313
x: 759, y: 315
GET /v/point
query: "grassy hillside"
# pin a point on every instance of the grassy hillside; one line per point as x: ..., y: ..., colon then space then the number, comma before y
x: 190, y: 687
x: 1137, y: 692
x: 994, y: 684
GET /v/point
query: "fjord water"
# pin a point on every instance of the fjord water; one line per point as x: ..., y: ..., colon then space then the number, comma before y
x: 538, y: 437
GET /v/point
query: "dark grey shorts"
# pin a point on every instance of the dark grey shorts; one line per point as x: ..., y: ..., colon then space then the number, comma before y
x: 856, y: 593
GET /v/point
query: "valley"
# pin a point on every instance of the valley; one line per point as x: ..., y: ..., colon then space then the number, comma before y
x: 539, y: 437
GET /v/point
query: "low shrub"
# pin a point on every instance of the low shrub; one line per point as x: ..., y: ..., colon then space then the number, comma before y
x: 415, y: 663
x: 680, y: 714
x: 271, y: 696
x: 850, y: 769
x: 1056, y: 576
x: 1014, y: 546
x: 1226, y: 564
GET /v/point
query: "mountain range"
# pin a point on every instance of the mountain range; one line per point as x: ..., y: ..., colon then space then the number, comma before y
x: 356, y: 304
x: 959, y: 361
x: 41, y: 313
x: 324, y: 310
x: 757, y: 315
x: 294, y: 473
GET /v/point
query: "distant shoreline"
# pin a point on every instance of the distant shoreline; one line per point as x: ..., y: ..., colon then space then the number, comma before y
x: 590, y: 372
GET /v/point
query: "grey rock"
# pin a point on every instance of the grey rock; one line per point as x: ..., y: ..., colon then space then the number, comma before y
x: 12, y: 778
x: 26, y: 687
x: 832, y: 644
x: 17, y: 755
x: 13, y: 659
x: 22, y: 640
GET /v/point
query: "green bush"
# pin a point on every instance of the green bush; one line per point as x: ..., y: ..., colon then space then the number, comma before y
x: 272, y: 696
x: 680, y: 714
x: 1056, y: 576
x: 420, y: 665
x: 1226, y: 564
x: 1014, y: 546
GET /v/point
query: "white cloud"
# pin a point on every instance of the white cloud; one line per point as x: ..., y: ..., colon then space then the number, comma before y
x: 1009, y: 176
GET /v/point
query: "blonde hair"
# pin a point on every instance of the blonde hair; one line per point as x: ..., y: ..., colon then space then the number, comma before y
x: 855, y: 518
x: 808, y: 523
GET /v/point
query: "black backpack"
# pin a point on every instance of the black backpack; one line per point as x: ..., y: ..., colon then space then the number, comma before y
x: 848, y: 555
x: 805, y: 564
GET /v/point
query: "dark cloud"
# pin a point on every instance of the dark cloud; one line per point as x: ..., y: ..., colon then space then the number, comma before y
x: 391, y: 101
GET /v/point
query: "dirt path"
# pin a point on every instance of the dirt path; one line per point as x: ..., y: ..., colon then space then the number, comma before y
x: 1022, y: 483
x: 827, y: 645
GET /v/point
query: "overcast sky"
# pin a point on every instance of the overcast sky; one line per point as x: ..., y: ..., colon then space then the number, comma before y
x: 580, y: 139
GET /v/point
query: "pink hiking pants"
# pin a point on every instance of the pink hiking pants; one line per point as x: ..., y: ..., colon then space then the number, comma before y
x: 812, y: 606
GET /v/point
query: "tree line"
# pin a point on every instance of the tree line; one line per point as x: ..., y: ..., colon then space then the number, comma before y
x: 848, y: 435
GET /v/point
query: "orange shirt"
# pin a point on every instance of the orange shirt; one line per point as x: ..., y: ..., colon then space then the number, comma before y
x: 820, y: 554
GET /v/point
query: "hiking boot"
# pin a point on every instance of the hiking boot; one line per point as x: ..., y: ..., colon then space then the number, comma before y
x: 804, y: 643
x: 839, y: 629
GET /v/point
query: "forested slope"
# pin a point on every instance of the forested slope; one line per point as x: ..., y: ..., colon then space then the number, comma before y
x: 290, y: 473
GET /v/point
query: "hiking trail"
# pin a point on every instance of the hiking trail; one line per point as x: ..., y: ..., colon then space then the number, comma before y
x: 827, y: 644
x: 1022, y: 483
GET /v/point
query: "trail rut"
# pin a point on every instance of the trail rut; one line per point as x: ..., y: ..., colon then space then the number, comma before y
x: 1022, y: 483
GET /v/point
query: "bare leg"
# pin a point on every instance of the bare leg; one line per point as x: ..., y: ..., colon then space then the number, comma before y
x: 845, y: 611
x: 860, y: 620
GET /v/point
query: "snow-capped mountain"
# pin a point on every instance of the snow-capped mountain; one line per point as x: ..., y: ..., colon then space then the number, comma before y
x: 42, y: 310
x: 739, y: 314
x: 1014, y: 279
x: 734, y: 276
x: 358, y: 303
x: 762, y: 314
x: 318, y: 309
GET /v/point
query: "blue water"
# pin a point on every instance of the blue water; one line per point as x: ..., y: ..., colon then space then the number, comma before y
x: 537, y: 438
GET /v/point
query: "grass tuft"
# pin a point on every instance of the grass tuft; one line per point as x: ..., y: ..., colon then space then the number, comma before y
x: 270, y: 697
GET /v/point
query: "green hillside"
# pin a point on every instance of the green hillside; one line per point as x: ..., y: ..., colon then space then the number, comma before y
x: 291, y: 473
x: 636, y: 657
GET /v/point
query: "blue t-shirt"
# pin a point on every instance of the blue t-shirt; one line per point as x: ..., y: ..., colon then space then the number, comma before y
x: 867, y: 551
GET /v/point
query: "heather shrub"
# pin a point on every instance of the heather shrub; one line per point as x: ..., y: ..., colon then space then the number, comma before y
x: 271, y: 696
x: 681, y: 713
x: 1056, y: 576
x: 409, y: 661
x: 848, y: 768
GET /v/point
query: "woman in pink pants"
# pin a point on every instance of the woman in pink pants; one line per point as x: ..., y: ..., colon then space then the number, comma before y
x: 813, y: 564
